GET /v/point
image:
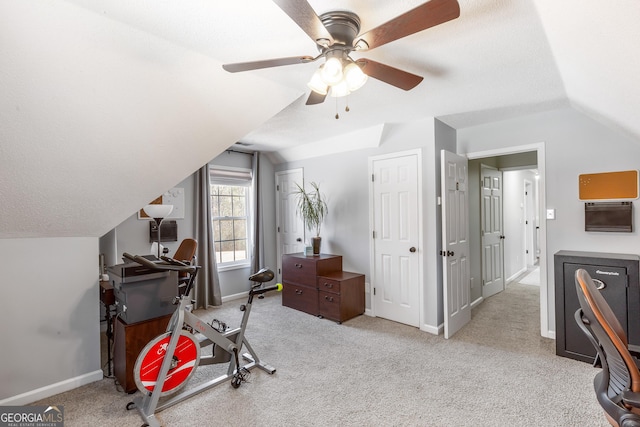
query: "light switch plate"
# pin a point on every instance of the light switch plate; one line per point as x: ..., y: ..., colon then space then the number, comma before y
x: 551, y: 214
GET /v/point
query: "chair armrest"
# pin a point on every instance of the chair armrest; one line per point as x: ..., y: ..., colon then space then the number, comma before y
x: 631, y: 398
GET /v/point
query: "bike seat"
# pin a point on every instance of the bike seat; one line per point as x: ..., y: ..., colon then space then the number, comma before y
x: 263, y: 275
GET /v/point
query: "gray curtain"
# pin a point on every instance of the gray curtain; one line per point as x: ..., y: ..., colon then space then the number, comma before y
x: 258, y: 226
x: 207, y: 291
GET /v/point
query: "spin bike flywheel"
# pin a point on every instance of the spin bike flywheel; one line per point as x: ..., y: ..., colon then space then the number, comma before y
x: 149, y: 362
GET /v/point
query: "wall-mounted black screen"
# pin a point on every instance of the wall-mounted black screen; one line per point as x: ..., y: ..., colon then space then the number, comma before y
x: 168, y: 231
x: 608, y: 216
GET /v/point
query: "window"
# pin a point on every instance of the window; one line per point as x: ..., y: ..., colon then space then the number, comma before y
x: 230, y: 214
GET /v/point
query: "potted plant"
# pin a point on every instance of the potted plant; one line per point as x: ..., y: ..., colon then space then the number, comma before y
x: 312, y: 207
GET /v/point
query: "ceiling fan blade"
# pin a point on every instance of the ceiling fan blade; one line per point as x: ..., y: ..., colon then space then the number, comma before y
x: 303, y: 14
x: 315, y: 98
x: 393, y: 76
x: 420, y: 18
x: 267, y: 63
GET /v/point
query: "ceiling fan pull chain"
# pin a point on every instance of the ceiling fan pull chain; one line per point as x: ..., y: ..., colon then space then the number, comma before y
x: 337, y: 115
x: 346, y: 108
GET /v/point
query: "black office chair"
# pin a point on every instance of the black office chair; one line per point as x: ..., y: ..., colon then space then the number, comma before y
x: 617, y: 386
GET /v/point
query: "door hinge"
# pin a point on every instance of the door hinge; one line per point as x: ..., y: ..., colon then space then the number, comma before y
x: 373, y: 234
x: 374, y: 291
x: 278, y: 229
x: 278, y: 187
x: 527, y: 251
x: 373, y: 178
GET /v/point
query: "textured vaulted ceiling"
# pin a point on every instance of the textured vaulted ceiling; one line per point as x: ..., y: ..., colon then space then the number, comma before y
x: 115, y: 100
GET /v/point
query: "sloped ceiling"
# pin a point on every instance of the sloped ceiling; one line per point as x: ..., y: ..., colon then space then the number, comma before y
x: 107, y: 103
x: 99, y: 118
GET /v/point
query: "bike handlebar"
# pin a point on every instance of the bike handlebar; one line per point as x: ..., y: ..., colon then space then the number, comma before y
x: 169, y: 264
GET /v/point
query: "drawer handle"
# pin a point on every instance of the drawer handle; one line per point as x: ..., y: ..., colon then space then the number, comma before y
x: 328, y: 285
x: 328, y: 298
x: 298, y: 265
x: 600, y: 285
x: 298, y: 291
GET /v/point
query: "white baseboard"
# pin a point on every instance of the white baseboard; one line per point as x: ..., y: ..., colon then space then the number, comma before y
x: 476, y: 302
x: 235, y: 296
x: 435, y: 330
x: 516, y: 274
x: 52, y: 390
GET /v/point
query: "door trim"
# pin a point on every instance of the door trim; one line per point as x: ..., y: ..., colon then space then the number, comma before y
x: 545, y: 284
x: 418, y: 153
x: 279, y: 254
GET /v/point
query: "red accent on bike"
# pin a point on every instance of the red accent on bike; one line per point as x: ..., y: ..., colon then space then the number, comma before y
x: 186, y: 353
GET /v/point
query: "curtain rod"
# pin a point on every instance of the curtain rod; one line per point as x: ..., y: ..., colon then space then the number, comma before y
x: 239, y: 152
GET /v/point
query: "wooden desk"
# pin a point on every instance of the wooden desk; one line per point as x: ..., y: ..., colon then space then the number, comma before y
x: 129, y: 340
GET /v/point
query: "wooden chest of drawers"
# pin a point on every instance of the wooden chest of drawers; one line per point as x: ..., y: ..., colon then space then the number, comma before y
x: 318, y: 286
x: 341, y: 295
x: 300, y: 279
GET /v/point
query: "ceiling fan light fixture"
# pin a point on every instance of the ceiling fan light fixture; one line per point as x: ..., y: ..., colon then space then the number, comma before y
x: 332, y: 71
x: 316, y: 83
x: 354, y: 77
x: 340, y: 89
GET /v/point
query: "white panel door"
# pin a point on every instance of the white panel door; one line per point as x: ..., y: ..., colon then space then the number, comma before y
x: 396, y: 287
x: 290, y: 228
x: 455, y: 242
x: 491, y: 231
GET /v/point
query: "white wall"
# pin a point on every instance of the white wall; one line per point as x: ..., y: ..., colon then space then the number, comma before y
x: 574, y: 144
x: 345, y: 180
x: 50, y: 317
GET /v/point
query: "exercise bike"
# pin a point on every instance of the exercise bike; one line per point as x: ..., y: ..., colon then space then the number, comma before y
x: 168, y: 361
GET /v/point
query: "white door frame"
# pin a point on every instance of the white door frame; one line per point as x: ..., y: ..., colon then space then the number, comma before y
x: 545, y: 285
x: 279, y: 251
x: 529, y: 225
x: 421, y: 249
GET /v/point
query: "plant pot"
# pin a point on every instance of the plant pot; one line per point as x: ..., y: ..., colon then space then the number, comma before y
x: 315, y: 242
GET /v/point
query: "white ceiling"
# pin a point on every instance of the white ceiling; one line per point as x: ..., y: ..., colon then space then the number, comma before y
x: 97, y: 94
x: 498, y: 59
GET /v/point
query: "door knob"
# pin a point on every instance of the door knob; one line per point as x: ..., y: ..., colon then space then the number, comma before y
x: 298, y: 239
x: 412, y: 249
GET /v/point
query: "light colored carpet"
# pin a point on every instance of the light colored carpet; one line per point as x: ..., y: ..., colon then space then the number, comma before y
x: 497, y: 371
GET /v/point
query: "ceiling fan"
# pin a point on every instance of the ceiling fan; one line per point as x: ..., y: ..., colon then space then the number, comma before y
x: 336, y: 35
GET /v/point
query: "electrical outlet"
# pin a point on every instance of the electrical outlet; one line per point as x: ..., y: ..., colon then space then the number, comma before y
x: 551, y: 214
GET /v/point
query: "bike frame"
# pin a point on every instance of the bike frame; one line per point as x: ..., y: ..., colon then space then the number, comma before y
x: 231, y: 341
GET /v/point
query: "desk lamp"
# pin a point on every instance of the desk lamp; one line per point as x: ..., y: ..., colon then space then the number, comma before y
x: 158, y: 213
